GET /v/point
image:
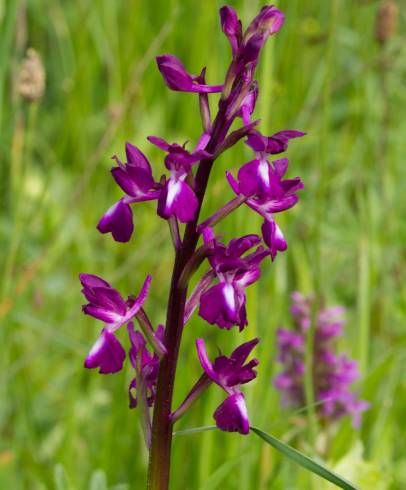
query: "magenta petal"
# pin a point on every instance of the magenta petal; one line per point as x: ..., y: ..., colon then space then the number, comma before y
x: 118, y: 220
x: 102, y: 314
x: 107, y: 354
x: 219, y: 305
x: 159, y: 142
x: 136, y: 304
x: 240, y: 354
x: 267, y: 22
x: 231, y: 26
x: 254, y: 177
x: 174, y: 73
x: 232, y: 416
x: 273, y: 237
x: 93, y: 281
x: 107, y: 298
x: 133, y: 180
x: 205, y: 362
x: 136, y: 158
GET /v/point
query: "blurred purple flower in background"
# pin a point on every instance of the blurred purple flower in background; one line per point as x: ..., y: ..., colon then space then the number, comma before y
x: 333, y: 374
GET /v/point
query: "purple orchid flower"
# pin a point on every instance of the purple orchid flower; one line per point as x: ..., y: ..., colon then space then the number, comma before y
x: 333, y: 375
x: 266, y: 192
x: 231, y: 26
x: 229, y: 373
x: 177, y: 198
x: 107, y: 304
x: 271, y: 145
x: 177, y: 78
x: 136, y: 180
x: 246, y: 48
x: 145, y: 364
x: 224, y: 303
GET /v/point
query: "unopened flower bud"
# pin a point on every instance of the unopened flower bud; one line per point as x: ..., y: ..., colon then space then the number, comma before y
x: 386, y: 21
x: 31, y: 77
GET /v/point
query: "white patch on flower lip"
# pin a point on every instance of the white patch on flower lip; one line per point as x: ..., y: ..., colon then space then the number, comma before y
x: 242, y: 407
x: 229, y: 296
x: 97, y: 346
x: 112, y: 209
x: 278, y: 233
x: 263, y: 171
x: 173, y: 190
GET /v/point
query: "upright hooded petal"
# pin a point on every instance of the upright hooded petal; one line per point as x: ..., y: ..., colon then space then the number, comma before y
x: 118, y: 220
x: 232, y: 415
x: 267, y: 22
x: 177, y: 78
x: 231, y: 26
x: 136, y: 158
x: 272, y: 145
x: 107, y: 354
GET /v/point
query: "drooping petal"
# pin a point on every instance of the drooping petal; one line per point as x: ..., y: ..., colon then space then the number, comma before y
x: 232, y: 415
x: 177, y: 199
x: 273, y: 237
x: 107, y: 354
x: 221, y: 305
x: 118, y: 220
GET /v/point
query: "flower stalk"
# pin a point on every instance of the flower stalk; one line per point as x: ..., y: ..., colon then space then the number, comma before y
x: 220, y: 294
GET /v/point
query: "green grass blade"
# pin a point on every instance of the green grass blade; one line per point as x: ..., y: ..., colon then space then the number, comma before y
x: 304, y: 461
x: 195, y: 430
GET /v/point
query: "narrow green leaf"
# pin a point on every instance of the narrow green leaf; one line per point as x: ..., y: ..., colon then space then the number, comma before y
x: 195, y: 430
x: 305, y: 461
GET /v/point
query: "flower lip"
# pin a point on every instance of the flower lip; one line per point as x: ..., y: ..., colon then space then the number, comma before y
x: 277, y: 143
x: 224, y: 303
x: 229, y: 372
x: 117, y: 220
x: 107, y: 354
x: 232, y: 415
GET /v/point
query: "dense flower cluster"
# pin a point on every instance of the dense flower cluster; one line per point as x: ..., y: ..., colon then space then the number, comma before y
x: 333, y: 374
x: 220, y: 294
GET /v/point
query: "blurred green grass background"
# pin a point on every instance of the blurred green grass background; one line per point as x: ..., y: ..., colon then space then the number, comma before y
x: 67, y: 428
